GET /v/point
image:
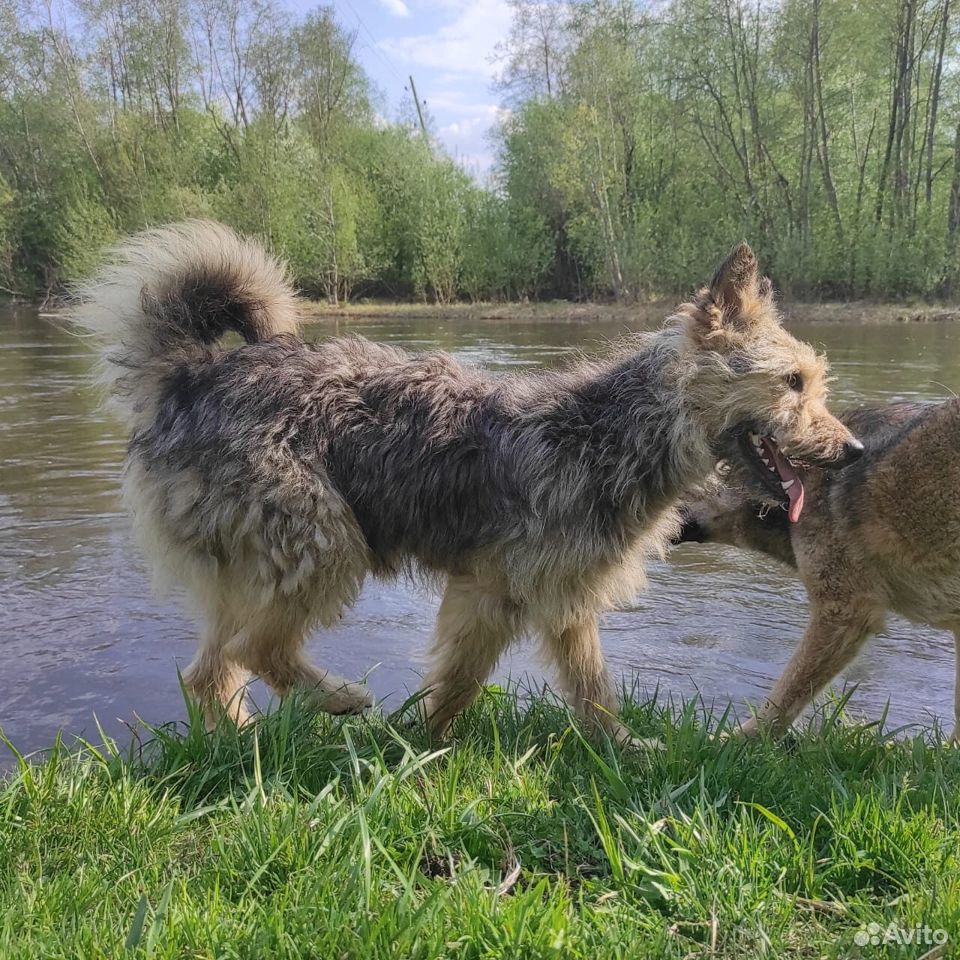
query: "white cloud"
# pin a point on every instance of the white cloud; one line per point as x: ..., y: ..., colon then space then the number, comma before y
x: 466, y: 133
x: 396, y: 7
x: 474, y: 119
x: 448, y: 48
x: 461, y: 46
x: 478, y: 165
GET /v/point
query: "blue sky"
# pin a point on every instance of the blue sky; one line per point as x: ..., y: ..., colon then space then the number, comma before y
x: 446, y: 45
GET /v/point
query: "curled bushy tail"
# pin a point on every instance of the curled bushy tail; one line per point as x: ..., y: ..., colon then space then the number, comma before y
x: 168, y: 293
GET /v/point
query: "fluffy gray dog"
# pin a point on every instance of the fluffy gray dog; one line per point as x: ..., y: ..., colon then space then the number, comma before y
x: 270, y: 478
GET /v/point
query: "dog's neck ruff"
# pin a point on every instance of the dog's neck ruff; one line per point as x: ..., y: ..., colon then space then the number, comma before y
x: 655, y: 446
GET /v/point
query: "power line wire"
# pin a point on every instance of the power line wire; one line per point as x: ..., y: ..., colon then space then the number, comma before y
x: 375, y: 46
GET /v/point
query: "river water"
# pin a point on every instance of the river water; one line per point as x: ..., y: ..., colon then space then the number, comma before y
x: 82, y: 635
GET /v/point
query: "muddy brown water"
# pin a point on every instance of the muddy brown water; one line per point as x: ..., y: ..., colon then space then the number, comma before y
x: 82, y: 634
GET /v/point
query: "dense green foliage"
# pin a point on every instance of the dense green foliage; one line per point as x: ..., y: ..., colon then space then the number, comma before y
x: 824, y: 131
x: 123, y: 113
x: 314, y: 838
x: 641, y: 142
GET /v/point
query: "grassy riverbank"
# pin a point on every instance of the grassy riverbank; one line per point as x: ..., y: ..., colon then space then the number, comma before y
x: 312, y: 837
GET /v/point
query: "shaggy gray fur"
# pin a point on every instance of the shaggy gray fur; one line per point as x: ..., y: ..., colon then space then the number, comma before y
x: 437, y: 461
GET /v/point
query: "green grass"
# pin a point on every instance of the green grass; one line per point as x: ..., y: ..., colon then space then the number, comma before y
x: 305, y: 836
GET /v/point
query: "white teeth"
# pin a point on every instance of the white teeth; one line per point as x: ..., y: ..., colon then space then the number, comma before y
x: 757, y: 442
x: 788, y: 484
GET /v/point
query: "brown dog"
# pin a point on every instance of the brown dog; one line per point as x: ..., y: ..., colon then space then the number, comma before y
x: 883, y: 534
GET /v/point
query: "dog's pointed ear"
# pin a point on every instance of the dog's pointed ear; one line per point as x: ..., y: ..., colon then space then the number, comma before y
x: 737, y: 299
x: 736, y: 279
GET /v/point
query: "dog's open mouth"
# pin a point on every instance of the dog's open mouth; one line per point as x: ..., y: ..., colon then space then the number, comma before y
x: 777, y: 472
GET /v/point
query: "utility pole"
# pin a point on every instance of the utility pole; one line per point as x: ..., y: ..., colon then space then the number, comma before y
x: 416, y: 100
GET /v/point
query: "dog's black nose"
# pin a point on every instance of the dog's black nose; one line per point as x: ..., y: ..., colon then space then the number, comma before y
x: 852, y: 450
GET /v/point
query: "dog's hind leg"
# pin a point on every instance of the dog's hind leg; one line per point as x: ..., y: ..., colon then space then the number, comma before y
x: 272, y: 647
x: 473, y: 629
x: 323, y: 690
x: 215, y: 680
x: 837, y: 630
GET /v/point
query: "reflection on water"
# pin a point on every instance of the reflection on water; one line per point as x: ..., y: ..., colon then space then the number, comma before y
x: 83, y: 634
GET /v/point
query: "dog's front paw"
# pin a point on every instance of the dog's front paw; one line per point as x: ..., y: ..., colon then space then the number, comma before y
x: 343, y: 699
x: 744, y: 731
x: 625, y: 739
x: 645, y: 744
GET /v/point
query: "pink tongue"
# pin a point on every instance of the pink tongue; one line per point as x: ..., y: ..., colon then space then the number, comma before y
x: 795, y: 493
x: 786, y: 473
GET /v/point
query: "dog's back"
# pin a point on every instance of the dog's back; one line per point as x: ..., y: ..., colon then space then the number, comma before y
x: 900, y: 506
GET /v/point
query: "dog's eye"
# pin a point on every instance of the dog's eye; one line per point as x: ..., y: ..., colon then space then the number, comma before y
x: 794, y: 381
